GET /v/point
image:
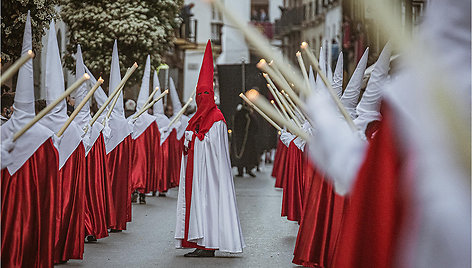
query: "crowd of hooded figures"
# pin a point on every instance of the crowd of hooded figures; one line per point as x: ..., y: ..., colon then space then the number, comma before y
x: 375, y: 178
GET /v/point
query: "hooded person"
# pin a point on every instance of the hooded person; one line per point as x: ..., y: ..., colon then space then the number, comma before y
x: 163, y: 183
x: 350, y: 98
x: 96, y: 169
x: 118, y: 147
x: 338, y: 76
x: 144, y: 135
x: 96, y: 152
x: 410, y: 203
x: 176, y: 141
x: 70, y: 219
x: 29, y: 181
x: 207, y: 214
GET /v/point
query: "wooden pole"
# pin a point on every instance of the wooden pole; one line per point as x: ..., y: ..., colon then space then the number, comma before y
x: 117, y: 89
x: 276, y: 95
x: 149, y: 105
x: 265, y: 106
x: 180, y: 112
x: 79, y: 107
x: 294, y: 106
x: 15, y: 67
x: 260, y: 112
x: 115, y: 100
x: 331, y: 91
x: 48, y: 108
x: 302, y: 67
x: 276, y: 108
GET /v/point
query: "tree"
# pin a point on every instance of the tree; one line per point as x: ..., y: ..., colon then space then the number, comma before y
x: 141, y: 27
x: 13, y: 24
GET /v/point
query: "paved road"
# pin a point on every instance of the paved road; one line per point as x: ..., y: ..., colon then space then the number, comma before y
x: 149, y: 241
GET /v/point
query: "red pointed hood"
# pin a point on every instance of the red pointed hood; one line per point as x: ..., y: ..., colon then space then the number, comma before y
x: 207, y: 111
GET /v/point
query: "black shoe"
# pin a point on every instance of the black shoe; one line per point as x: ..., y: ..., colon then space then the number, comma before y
x: 201, y: 253
x: 153, y: 193
x: 162, y: 194
x: 239, y: 175
x: 115, y: 231
x: 91, y: 238
x: 251, y: 174
x: 142, y: 199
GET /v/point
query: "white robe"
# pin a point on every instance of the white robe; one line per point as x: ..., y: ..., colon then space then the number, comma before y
x: 214, y: 220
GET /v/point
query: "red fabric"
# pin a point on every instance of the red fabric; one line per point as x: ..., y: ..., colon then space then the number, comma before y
x: 175, y: 158
x: 319, y: 229
x: 70, y: 213
x: 28, y: 210
x: 292, y: 202
x: 142, y: 171
x: 279, y: 167
x: 188, y: 195
x: 207, y: 111
x: 119, y: 163
x: 96, y: 190
x: 374, y: 219
x: 163, y: 183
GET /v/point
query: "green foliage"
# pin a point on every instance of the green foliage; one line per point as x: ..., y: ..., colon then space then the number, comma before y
x: 13, y: 24
x: 141, y: 27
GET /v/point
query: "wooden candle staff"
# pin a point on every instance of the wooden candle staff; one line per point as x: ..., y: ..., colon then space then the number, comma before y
x: 48, y: 108
x: 79, y: 107
x: 260, y: 112
x: 15, y: 67
x: 276, y: 96
x: 149, y: 105
x: 302, y: 67
x: 276, y: 108
x: 146, y: 103
x: 181, y: 112
x: 117, y: 89
x: 265, y: 106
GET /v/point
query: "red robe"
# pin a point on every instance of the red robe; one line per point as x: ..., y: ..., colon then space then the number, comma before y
x: 292, y: 202
x: 143, y: 157
x: 119, y: 163
x: 279, y: 165
x: 96, y: 200
x: 69, y: 242
x: 163, y: 182
x: 377, y: 208
x: 29, y: 210
x: 175, y: 158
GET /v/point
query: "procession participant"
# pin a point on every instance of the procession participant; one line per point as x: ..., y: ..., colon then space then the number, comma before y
x: 144, y: 135
x: 175, y: 138
x: 207, y: 214
x: 29, y: 181
x: 161, y: 144
x: 96, y: 154
x: 244, y: 143
x: 70, y: 215
x: 96, y: 171
x: 7, y: 107
x: 118, y: 149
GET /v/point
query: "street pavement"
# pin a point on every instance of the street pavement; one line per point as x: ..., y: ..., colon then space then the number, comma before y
x: 149, y: 239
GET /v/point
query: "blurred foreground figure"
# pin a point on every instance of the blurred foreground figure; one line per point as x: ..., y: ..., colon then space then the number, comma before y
x: 207, y: 215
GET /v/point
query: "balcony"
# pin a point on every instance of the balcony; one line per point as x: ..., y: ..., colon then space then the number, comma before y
x: 266, y: 28
x: 291, y: 20
x: 186, y: 35
x: 216, y: 32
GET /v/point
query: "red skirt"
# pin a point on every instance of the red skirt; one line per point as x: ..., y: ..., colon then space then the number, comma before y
x: 279, y: 165
x: 163, y: 182
x: 29, y: 210
x: 119, y: 163
x: 142, y: 171
x: 292, y: 202
x: 96, y: 190
x: 175, y: 158
x: 70, y: 215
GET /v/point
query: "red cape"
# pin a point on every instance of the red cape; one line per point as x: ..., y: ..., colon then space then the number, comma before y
x: 96, y: 190
x: 29, y: 210
x: 143, y: 157
x: 175, y: 158
x: 292, y: 202
x: 119, y: 164
x: 69, y: 242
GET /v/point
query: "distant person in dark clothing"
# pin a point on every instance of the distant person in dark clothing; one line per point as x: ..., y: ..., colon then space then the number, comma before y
x: 185, y: 14
x: 244, y: 141
x: 39, y: 105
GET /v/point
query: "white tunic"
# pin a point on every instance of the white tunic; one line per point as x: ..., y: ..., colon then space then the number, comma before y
x: 214, y: 220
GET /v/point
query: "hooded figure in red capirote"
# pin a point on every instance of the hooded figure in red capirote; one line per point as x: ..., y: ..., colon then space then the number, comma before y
x: 207, y: 214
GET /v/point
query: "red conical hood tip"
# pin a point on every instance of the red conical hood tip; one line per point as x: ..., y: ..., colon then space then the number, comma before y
x: 205, y: 79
